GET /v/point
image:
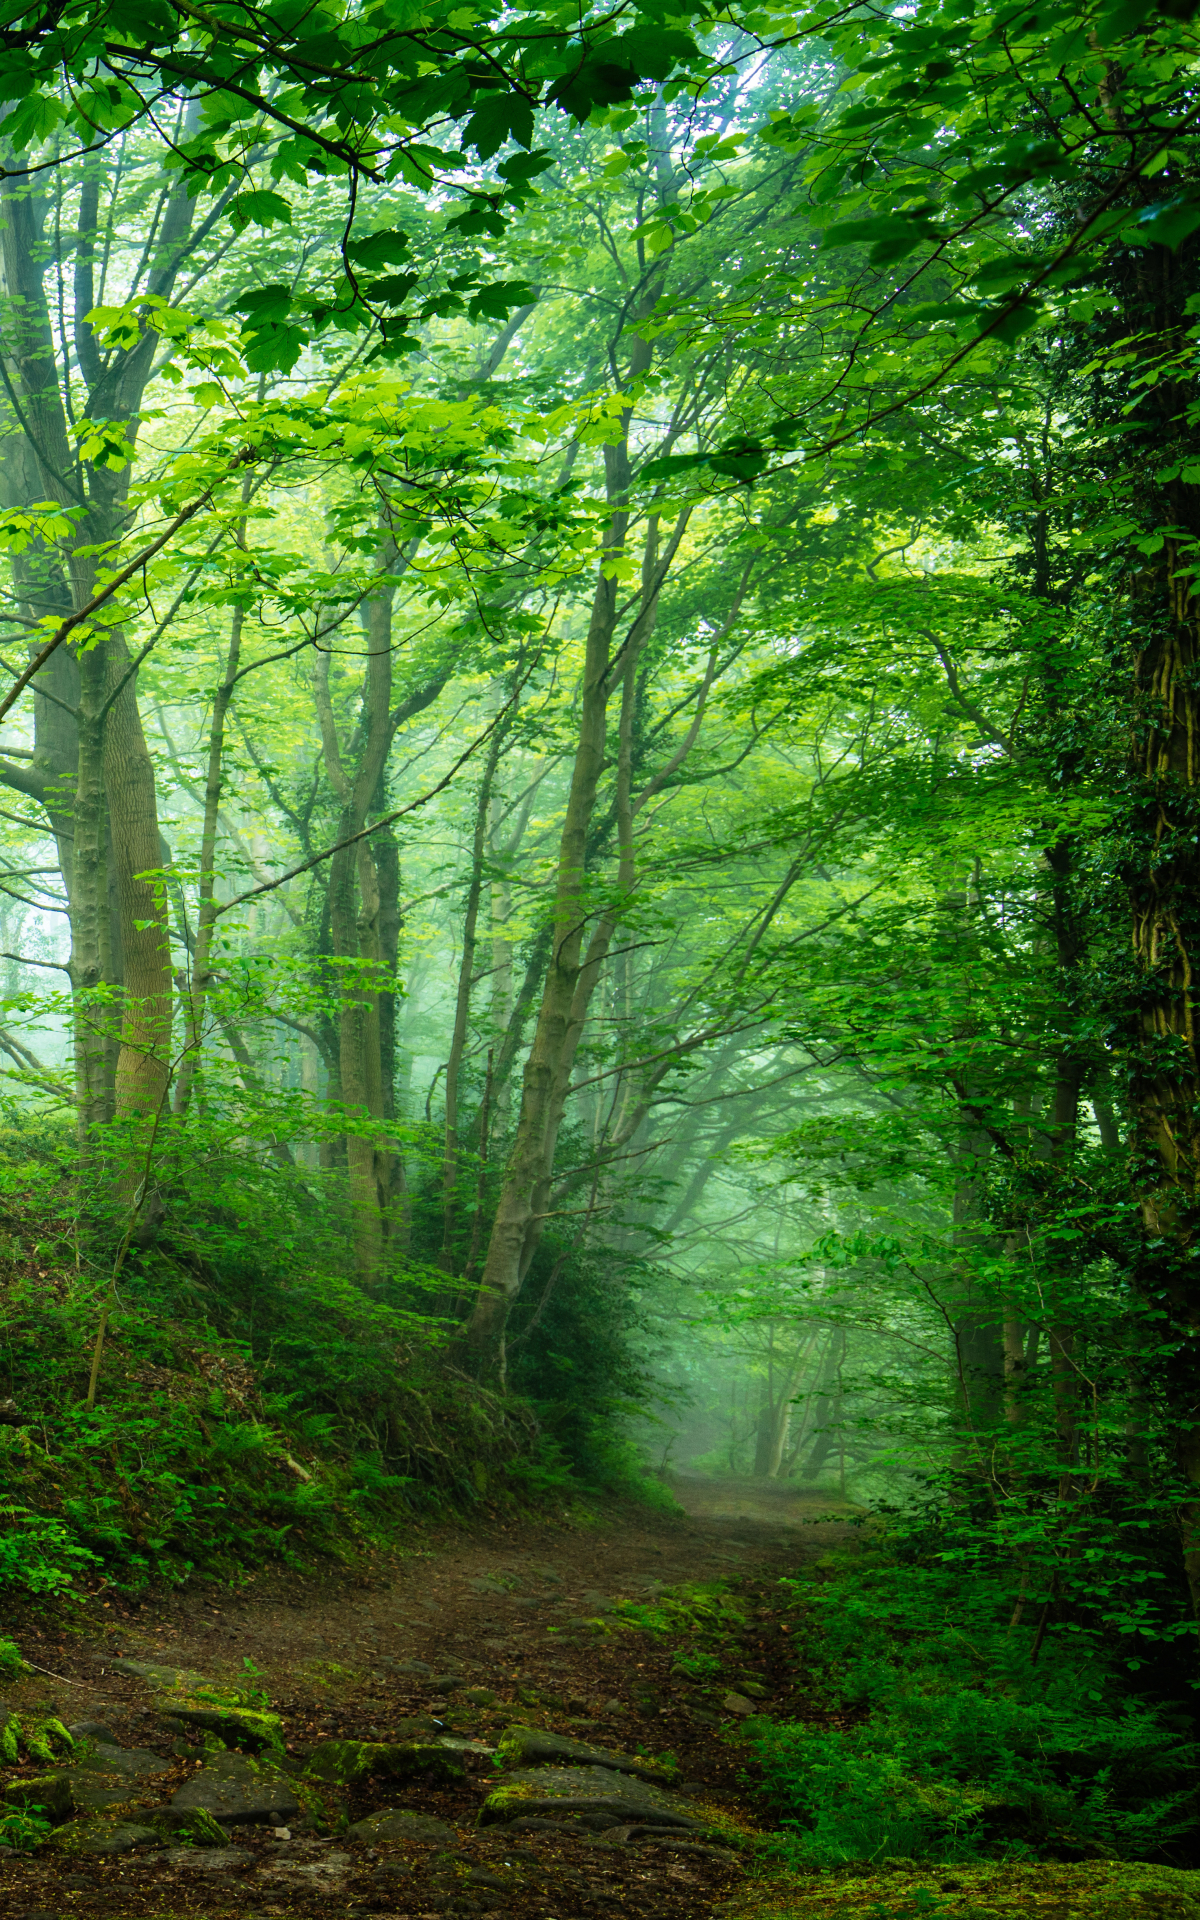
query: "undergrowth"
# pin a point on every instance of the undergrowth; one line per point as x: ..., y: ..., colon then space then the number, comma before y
x: 945, y: 1732
x: 252, y: 1405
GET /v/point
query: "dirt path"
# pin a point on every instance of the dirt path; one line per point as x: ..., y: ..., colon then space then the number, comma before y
x: 510, y: 1610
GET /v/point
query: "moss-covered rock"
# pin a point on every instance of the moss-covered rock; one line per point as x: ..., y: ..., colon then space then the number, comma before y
x: 85, y: 1837
x: 345, y: 1763
x: 904, y: 1890
x: 242, y: 1727
x: 397, y: 1823
x: 42, y: 1738
x: 593, y: 1797
x: 48, y: 1792
x: 531, y: 1747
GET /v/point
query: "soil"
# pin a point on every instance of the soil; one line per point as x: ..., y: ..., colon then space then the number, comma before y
x: 331, y: 1651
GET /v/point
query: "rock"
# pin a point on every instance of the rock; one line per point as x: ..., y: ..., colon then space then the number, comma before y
x: 413, y: 1666
x: 49, y: 1792
x: 399, y: 1824
x: 194, y: 1824
x: 480, y: 1697
x: 236, y: 1790
x: 91, y: 1797
x: 485, y: 1584
x: 530, y: 1747
x: 102, y: 1836
x: 93, y: 1730
x: 594, y: 1797
x: 347, y: 1762
x: 614, y: 1706
x: 237, y: 1726
x: 738, y: 1703
x: 329, y: 1867
x: 417, y: 1726
x: 206, y: 1859
x: 136, y: 1763
x: 597, y: 1601
x: 156, y: 1675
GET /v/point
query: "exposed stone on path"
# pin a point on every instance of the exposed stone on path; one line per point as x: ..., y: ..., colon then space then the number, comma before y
x: 206, y: 1859
x: 102, y: 1836
x: 133, y: 1763
x: 594, y: 1797
x: 237, y: 1726
x: 532, y: 1747
x: 328, y: 1867
x: 157, y: 1675
x: 94, y: 1730
x: 399, y: 1824
x: 347, y: 1762
x: 738, y: 1703
x: 236, y: 1790
x: 49, y: 1791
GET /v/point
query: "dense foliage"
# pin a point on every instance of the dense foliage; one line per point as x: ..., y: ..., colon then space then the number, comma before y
x: 601, y: 828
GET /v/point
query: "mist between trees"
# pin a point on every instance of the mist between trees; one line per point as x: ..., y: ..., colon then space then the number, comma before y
x: 601, y: 757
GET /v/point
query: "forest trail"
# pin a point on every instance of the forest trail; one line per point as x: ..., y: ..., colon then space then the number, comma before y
x: 519, y: 1611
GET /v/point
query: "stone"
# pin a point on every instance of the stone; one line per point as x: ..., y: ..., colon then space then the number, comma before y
x: 194, y: 1824
x: 330, y: 1867
x: 206, y: 1859
x: 237, y: 1726
x: 413, y: 1666
x: 480, y: 1697
x: 347, y: 1762
x: 136, y: 1763
x: 738, y: 1703
x: 93, y: 1730
x: 531, y: 1747
x: 486, y: 1584
x: 398, y: 1823
x: 91, y: 1797
x: 597, y: 1601
x: 49, y: 1791
x: 592, y: 1797
x: 237, y: 1790
x: 102, y: 1836
x: 156, y: 1675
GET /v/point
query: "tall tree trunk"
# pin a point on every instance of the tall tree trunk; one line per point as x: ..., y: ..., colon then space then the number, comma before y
x: 355, y: 906
x: 462, y: 1002
x: 206, y: 913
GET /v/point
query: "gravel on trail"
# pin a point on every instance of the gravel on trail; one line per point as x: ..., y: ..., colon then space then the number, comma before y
x: 459, y: 1640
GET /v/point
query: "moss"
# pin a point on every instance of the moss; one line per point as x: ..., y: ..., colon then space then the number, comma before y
x: 908, y: 1890
x: 243, y: 1727
x: 508, y: 1796
x: 48, y: 1792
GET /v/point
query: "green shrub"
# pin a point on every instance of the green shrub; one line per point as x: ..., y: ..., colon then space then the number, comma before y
x: 960, y: 1745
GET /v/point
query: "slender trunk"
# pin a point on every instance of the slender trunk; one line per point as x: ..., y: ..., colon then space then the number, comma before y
x: 355, y: 905
x: 201, y: 976
x: 89, y: 905
x: 572, y: 975
x: 462, y: 1005
x: 515, y: 1220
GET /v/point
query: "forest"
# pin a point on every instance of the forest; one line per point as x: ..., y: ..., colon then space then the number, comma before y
x: 599, y: 883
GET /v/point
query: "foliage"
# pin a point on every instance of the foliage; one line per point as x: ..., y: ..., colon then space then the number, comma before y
x: 944, y: 1737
